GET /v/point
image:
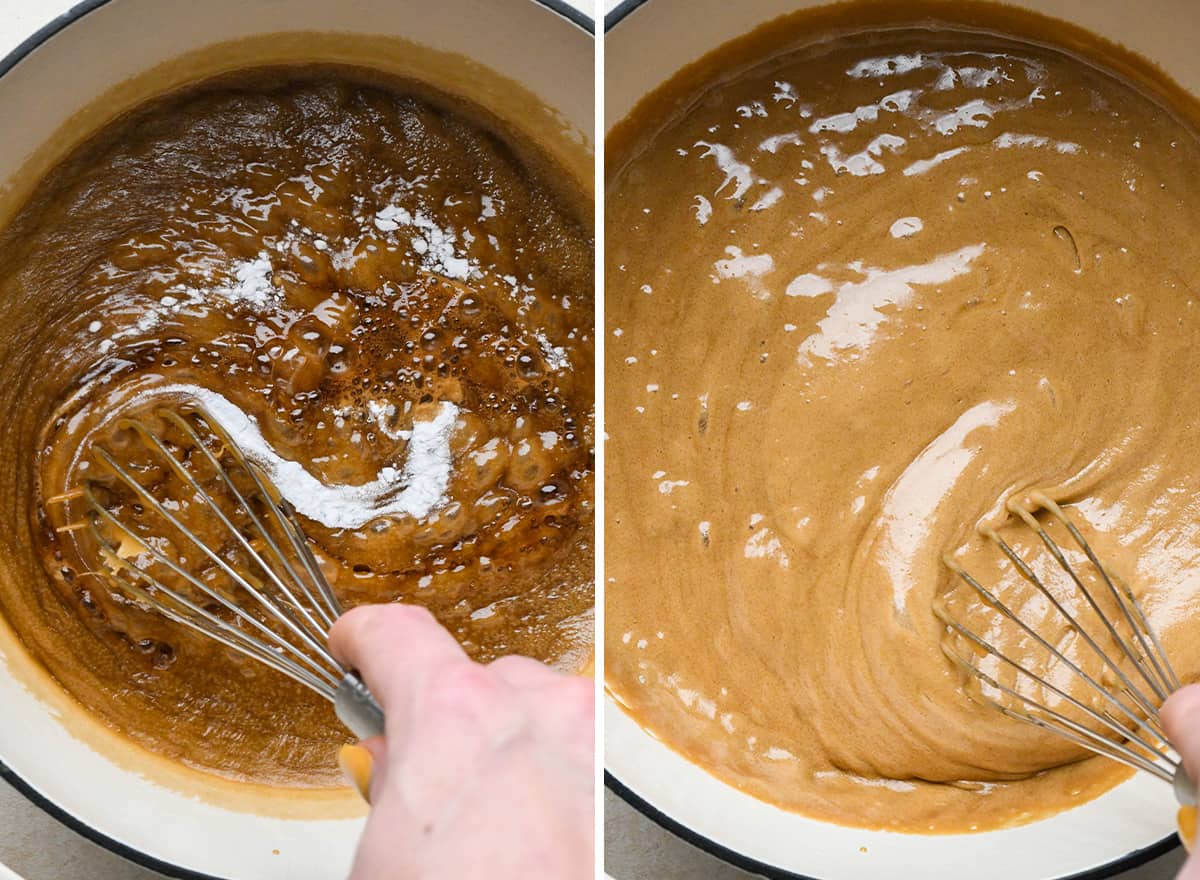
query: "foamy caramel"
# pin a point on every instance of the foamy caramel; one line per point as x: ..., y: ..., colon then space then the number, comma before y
x: 388, y: 303
x: 862, y: 289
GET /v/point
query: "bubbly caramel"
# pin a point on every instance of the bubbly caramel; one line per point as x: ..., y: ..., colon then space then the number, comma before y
x: 354, y: 268
x: 860, y: 292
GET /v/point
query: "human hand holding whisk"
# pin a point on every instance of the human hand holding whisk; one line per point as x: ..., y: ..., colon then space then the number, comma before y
x: 484, y: 769
x: 1181, y: 717
x: 1062, y: 643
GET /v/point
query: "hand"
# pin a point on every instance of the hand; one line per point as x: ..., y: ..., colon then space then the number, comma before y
x: 486, y: 770
x: 1181, y: 718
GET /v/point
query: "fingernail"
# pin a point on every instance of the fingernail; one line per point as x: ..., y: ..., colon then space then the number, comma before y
x: 356, y: 763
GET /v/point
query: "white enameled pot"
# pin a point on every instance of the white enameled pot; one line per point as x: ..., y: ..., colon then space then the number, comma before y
x: 646, y: 42
x: 528, y: 61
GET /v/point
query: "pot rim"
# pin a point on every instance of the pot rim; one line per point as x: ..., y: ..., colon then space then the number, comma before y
x: 43, y: 34
x: 560, y: 7
x: 1127, y: 862
x: 619, y: 12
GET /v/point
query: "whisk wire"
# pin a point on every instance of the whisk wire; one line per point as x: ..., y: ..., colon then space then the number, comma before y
x: 281, y: 612
x: 269, y: 601
x: 209, y: 624
x: 331, y: 610
x: 1129, y: 732
x: 991, y: 598
x: 114, y: 557
x: 1076, y: 625
x: 1105, y: 619
x: 315, y: 587
x: 1093, y: 743
x: 1107, y: 720
x: 1130, y: 607
x: 303, y: 628
x: 291, y: 528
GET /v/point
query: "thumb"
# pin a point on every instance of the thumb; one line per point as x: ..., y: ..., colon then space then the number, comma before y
x: 393, y: 648
x: 1181, y: 718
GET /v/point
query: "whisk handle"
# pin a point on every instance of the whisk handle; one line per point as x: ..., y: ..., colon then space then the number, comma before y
x: 1185, y: 788
x: 357, y: 708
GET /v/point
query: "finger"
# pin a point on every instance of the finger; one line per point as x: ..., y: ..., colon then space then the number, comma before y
x: 1181, y: 718
x: 563, y: 704
x: 524, y: 672
x: 377, y: 749
x: 568, y: 717
x: 1191, y: 870
x: 393, y: 648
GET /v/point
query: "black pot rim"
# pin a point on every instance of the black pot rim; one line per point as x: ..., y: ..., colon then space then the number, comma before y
x: 619, y: 12
x: 1110, y: 869
x: 7, y: 63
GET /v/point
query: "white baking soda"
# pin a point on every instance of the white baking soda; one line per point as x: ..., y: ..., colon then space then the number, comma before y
x: 415, y: 489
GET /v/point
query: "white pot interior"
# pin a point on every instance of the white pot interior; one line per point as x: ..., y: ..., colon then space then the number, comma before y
x: 643, y: 50
x: 521, y: 50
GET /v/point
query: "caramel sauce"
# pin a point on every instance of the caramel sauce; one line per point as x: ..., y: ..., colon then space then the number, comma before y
x: 869, y: 273
x: 342, y: 259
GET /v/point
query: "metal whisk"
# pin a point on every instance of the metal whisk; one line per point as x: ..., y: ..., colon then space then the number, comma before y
x: 259, y: 590
x: 1119, y: 721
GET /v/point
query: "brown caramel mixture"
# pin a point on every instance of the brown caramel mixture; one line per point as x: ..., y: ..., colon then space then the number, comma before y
x: 344, y: 269
x: 859, y: 294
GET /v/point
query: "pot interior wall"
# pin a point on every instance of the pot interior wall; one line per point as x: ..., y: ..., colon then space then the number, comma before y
x: 659, y: 37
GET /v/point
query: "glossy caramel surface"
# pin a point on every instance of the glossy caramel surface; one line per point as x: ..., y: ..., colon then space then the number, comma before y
x: 861, y: 290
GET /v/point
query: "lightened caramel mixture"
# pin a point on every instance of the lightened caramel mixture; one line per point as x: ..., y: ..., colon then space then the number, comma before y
x: 387, y: 300
x: 858, y: 295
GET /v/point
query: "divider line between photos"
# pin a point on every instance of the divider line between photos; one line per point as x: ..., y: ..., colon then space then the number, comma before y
x: 599, y: 333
